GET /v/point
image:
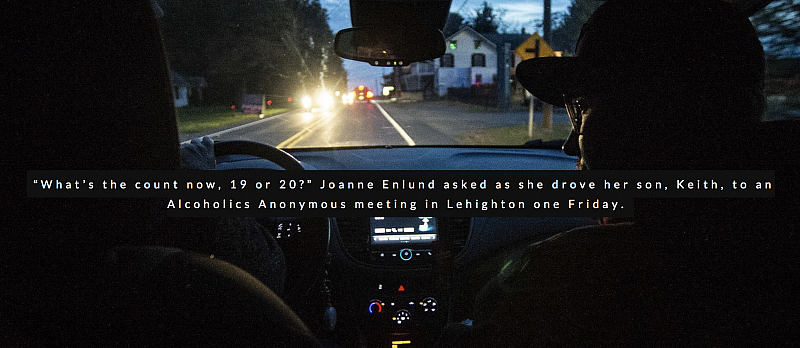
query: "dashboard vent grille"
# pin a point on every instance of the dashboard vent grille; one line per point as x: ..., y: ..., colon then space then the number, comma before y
x: 355, y: 236
x: 456, y: 230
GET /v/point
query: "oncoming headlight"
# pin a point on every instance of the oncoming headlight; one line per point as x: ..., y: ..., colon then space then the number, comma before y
x: 306, y: 102
x: 324, y: 100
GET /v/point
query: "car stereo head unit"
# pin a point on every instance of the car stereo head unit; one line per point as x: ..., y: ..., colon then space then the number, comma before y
x: 402, y: 238
x: 403, y: 231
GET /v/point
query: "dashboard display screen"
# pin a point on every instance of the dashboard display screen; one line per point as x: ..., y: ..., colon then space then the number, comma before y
x: 402, y: 230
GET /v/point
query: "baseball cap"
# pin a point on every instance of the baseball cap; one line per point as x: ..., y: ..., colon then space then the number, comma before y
x: 634, y: 44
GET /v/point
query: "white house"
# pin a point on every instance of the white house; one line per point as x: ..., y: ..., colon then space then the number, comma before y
x: 469, y: 59
x: 420, y: 77
x: 186, y: 87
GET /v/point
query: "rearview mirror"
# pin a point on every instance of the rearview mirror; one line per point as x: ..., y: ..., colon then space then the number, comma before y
x: 389, y: 47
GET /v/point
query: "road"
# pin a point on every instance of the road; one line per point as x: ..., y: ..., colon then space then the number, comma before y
x: 377, y: 123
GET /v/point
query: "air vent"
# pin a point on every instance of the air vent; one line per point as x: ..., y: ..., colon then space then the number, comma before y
x: 355, y: 236
x: 455, y: 230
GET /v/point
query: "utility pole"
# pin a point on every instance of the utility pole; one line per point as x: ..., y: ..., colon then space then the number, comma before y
x: 531, y: 98
x: 547, y: 109
x: 503, y: 76
x: 546, y: 23
x: 397, y: 89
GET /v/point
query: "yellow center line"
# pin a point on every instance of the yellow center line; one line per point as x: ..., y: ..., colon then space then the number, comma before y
x: 302, y: 134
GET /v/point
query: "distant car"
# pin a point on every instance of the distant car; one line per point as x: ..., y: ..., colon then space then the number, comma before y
x: 320, y: 101
x: 361, y: 93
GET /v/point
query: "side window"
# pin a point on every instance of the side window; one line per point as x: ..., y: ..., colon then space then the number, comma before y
x: 447, y: 61
x: 478, y: 59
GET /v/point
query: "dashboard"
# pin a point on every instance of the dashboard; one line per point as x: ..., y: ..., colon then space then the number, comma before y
x: 398, y: 281
x: 414, y: 158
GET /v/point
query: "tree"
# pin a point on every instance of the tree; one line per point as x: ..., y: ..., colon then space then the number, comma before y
x: 778, y: 27
x: 568, y: 25
x: 309, y: 42
x: 255, y: 46
x: 486, y: 20
x: 454, y: 23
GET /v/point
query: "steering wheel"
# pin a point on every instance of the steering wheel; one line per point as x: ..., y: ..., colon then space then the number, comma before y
x: 306, y: 257
x: 267, y: 152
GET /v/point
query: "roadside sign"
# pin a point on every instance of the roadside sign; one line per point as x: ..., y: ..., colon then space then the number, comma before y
x: 253, y: 103
x: 535, y: 47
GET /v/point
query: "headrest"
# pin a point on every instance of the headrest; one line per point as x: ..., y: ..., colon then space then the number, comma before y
x: 90, y: 87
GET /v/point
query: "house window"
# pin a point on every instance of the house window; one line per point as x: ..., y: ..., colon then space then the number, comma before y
x: 453, y: 44
x: 478, y: 79
x: 478, y: 59
x: 447, y: 61
x: 426, y: 67
x: 477, y: 44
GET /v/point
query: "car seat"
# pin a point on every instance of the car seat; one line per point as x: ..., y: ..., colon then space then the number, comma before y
x: 87, y: 85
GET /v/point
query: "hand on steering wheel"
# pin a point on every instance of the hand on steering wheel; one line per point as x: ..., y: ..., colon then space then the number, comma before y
x: 201, y: 153
x: 198, y: 154
x: 267, y: 152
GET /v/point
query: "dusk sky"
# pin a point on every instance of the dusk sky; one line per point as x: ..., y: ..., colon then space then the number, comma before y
x: 518, y: 15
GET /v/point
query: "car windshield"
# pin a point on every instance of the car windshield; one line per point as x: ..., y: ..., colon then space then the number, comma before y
x: 266, y: 71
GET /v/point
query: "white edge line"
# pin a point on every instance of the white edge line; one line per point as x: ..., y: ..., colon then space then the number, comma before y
x: 236, y: 128
x: 396, y: 126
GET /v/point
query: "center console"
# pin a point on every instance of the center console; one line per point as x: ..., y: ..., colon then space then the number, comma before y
x: 395, y: 275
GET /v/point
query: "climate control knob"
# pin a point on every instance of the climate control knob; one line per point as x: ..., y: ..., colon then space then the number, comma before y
x: 428, y: 304
x: 406, y: 254
x: 375, y: 307
x: 402, y: 316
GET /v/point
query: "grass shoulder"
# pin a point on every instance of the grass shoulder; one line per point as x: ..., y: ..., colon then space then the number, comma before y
x: 515, y: 135
x: 198, y: 119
